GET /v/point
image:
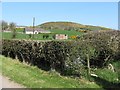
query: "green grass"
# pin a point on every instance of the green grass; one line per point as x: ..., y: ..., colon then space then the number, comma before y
x: 107, y: 78
x: 69, y: 33
x: 8, y: 35
x: 20, y: 35
x: 108, y: 74
x: 32, y: 77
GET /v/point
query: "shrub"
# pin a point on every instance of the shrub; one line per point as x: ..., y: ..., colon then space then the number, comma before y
x: 67, y: 57
x: 107, y: 45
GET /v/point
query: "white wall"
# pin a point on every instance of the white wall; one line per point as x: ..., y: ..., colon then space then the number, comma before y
x: 31, y: 32
x: 36, y: 32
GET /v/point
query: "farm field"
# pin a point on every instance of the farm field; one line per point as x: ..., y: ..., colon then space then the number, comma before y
x: 69, y: 33
x: 69, y: 28
x: 8, y: 35
x: 21, y: 35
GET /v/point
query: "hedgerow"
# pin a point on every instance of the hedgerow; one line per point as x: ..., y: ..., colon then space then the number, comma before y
x: 67, y: 57
x: 107, y: 45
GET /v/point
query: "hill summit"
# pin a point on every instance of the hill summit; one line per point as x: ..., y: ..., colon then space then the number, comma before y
x: 70, y: 26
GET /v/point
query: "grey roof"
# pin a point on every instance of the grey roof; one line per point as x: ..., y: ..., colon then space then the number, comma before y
x: 31, y: 29
x: 36, y: 29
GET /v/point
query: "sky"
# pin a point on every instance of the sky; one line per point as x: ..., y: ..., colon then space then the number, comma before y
x: 89, y: 13
x: 60, y: 0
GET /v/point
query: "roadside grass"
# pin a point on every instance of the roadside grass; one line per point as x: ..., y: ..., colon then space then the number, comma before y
x: 33, y: 77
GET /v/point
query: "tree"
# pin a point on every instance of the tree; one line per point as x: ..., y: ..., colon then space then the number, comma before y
x: 13, y: 29
x: 88, y: 51
x: 4, y: 25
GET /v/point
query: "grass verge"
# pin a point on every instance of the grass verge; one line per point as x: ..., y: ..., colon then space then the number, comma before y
x: 32, y: 77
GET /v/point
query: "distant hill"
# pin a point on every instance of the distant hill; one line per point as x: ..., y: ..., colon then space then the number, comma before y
x: 70, y: 26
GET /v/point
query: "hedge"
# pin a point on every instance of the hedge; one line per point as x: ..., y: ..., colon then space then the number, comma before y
x: 66, y: 57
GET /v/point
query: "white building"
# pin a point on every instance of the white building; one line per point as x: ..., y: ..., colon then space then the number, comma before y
x: 36, y: 31
x: 20, y: 27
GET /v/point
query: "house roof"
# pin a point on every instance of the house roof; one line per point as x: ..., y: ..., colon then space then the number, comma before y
x: 36, y: 29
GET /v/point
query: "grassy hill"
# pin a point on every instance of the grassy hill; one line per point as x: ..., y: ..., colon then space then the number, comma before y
x: 70, y: 26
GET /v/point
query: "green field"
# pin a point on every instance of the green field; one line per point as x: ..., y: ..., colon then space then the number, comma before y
x: 21, y: 35
x: 8, y: 35
x: 69, y: 33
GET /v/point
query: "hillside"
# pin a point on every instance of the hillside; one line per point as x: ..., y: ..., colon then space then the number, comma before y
x: 70, y: 26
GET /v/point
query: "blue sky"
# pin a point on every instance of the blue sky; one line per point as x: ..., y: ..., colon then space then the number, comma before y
x: 89, y: 13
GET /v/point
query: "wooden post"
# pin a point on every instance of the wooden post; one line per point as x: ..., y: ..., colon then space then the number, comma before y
x: 88, y: 63
x: 88, y: 66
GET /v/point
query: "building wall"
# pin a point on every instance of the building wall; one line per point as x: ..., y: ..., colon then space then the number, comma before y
x: 61, y: 36
x: 36, y: 32
x: 20, y: 27
x: 31, y: 32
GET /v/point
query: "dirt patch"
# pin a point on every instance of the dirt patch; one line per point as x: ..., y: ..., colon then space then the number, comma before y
x: 7, y: 83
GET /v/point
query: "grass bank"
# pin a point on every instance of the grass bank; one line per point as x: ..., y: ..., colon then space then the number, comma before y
x: 32, y: 77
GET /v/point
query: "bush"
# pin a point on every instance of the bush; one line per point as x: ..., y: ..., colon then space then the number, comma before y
x: 67, y: 57
x: 106, y: 44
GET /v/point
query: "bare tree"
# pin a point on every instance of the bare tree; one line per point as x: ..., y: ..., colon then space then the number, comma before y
x: 13, y: 29
x: 4, y: 25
